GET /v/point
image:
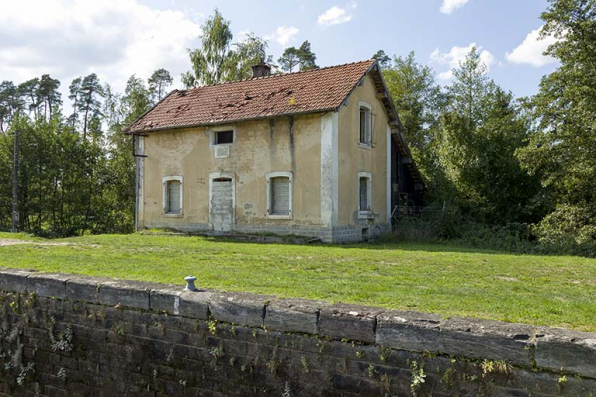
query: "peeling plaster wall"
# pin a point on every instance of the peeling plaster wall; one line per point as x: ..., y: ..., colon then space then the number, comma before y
x: 279, y: 144
x: 321, y: 150
x: 354, y: 159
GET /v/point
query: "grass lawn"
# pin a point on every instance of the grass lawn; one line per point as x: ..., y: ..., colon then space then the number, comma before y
x: 540, y: 290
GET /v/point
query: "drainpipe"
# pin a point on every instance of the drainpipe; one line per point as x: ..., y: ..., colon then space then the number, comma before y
x: 134, y: 152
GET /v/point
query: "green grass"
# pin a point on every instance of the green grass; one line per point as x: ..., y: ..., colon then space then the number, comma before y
x: 540, y: 290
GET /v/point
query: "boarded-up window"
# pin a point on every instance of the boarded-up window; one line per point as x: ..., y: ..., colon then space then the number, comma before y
x: 280, y: 195
x: 364, y: 205
x: 364, y: 126
x: 173, y: 197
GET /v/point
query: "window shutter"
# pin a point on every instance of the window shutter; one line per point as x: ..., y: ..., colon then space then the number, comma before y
x: 174, y: 197
x: 280, y: 192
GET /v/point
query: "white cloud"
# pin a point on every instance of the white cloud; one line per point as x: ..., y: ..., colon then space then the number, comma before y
x: 456, y: 55
x: 113, y: 38
x: 531, y: 50
x: 449, y: 6
x: 336, y: 15
x: 283, y: 34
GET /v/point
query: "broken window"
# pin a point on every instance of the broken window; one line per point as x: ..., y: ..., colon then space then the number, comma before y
x: 223, y: 137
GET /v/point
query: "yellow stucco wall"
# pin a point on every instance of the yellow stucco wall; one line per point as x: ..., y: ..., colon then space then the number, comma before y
x: 259, y: 148
x: 264, y: 146
x: 354, y: 159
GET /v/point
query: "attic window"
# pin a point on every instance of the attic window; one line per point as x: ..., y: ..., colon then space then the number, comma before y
x: 223, y: 137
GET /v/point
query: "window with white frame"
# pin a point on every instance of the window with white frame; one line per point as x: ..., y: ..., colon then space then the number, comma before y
x: 364, y: 124
x: 172, y: 195
x: 279, y: 195
x: 364, y: 195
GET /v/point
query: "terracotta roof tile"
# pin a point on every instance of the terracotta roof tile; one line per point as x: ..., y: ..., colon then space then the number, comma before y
x: 285, y: 94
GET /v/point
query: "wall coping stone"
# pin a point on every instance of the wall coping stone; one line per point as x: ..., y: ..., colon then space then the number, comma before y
x: 341, y: 321
x: 294, y: 315
x: 239, y: 308
x: 45, y: 284
x: 552, y: 349
x: 566, y: 350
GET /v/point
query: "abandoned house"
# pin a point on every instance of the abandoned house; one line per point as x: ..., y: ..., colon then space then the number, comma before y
x: 314, y: 153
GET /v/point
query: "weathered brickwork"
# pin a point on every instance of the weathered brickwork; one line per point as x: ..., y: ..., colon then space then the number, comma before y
x: 63, y: 335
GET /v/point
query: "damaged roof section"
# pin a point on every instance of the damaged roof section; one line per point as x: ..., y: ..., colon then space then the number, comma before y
x: 294, y: 93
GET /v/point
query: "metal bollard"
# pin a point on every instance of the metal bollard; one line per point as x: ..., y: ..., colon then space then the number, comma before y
x: 190, y: 283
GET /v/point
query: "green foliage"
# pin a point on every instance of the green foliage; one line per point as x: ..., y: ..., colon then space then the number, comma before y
x: 481, y: 129
x: 301, y: 57
x: 569, y: 229
x: 219, y: 60
x: 76, y: 174
x: 383, y: 59
x: 418, y: 378
x: 561, y: 149
x: 159, y: 81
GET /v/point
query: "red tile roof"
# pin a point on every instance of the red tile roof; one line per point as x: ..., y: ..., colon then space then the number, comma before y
x: 293, y: 93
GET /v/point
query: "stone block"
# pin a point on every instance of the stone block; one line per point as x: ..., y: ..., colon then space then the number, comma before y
x: 48, y: 284
x: 472, y: 338
x: 14, y: 280
x: 406, y: 330
x: 239, y: 308
x: 177, y: 301
x: 82, y: 289
x: 352, y: 322
x: 485, y: 339
x: 566, y: 351
x: 126, y: 293
x: 293, y: 315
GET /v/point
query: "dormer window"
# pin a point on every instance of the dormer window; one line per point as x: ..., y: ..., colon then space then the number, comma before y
x: 364, y: 124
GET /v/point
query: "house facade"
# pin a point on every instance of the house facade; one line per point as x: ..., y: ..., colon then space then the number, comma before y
x: 315, y: 153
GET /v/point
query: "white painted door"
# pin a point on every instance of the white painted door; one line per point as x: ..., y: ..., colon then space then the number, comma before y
x: 221, y: 208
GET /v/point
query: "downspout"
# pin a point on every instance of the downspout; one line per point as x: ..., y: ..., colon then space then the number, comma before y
x: 134, y: 152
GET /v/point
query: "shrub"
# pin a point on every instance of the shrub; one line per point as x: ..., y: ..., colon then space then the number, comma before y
x: 568, y: 230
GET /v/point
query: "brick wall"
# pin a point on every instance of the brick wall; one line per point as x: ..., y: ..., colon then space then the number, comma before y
x: 64, y: 335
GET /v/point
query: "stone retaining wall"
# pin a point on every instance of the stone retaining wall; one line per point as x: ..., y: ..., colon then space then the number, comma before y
x: 65, y: 335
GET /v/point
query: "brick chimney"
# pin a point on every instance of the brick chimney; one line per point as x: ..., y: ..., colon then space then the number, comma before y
x: 261, y: 70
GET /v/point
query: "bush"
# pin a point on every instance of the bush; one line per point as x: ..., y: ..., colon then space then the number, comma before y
x: 568, y: 230
x: 439, y: 223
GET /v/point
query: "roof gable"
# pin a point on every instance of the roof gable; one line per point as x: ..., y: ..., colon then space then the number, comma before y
x: 309, y: 91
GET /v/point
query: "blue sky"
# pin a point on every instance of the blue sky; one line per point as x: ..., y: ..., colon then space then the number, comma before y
x: 116, y: 38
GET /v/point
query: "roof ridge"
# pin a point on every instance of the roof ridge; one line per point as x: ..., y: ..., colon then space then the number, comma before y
x: 272, y: 76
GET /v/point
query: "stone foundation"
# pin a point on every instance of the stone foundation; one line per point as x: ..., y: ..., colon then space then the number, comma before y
x: 336, y: 235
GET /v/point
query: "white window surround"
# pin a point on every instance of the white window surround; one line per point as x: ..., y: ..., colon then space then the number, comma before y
x: 365, y: 214
x: 165, y: 181
x: 271, y: 175
x: 368, y: 125
x: 212, y: 133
